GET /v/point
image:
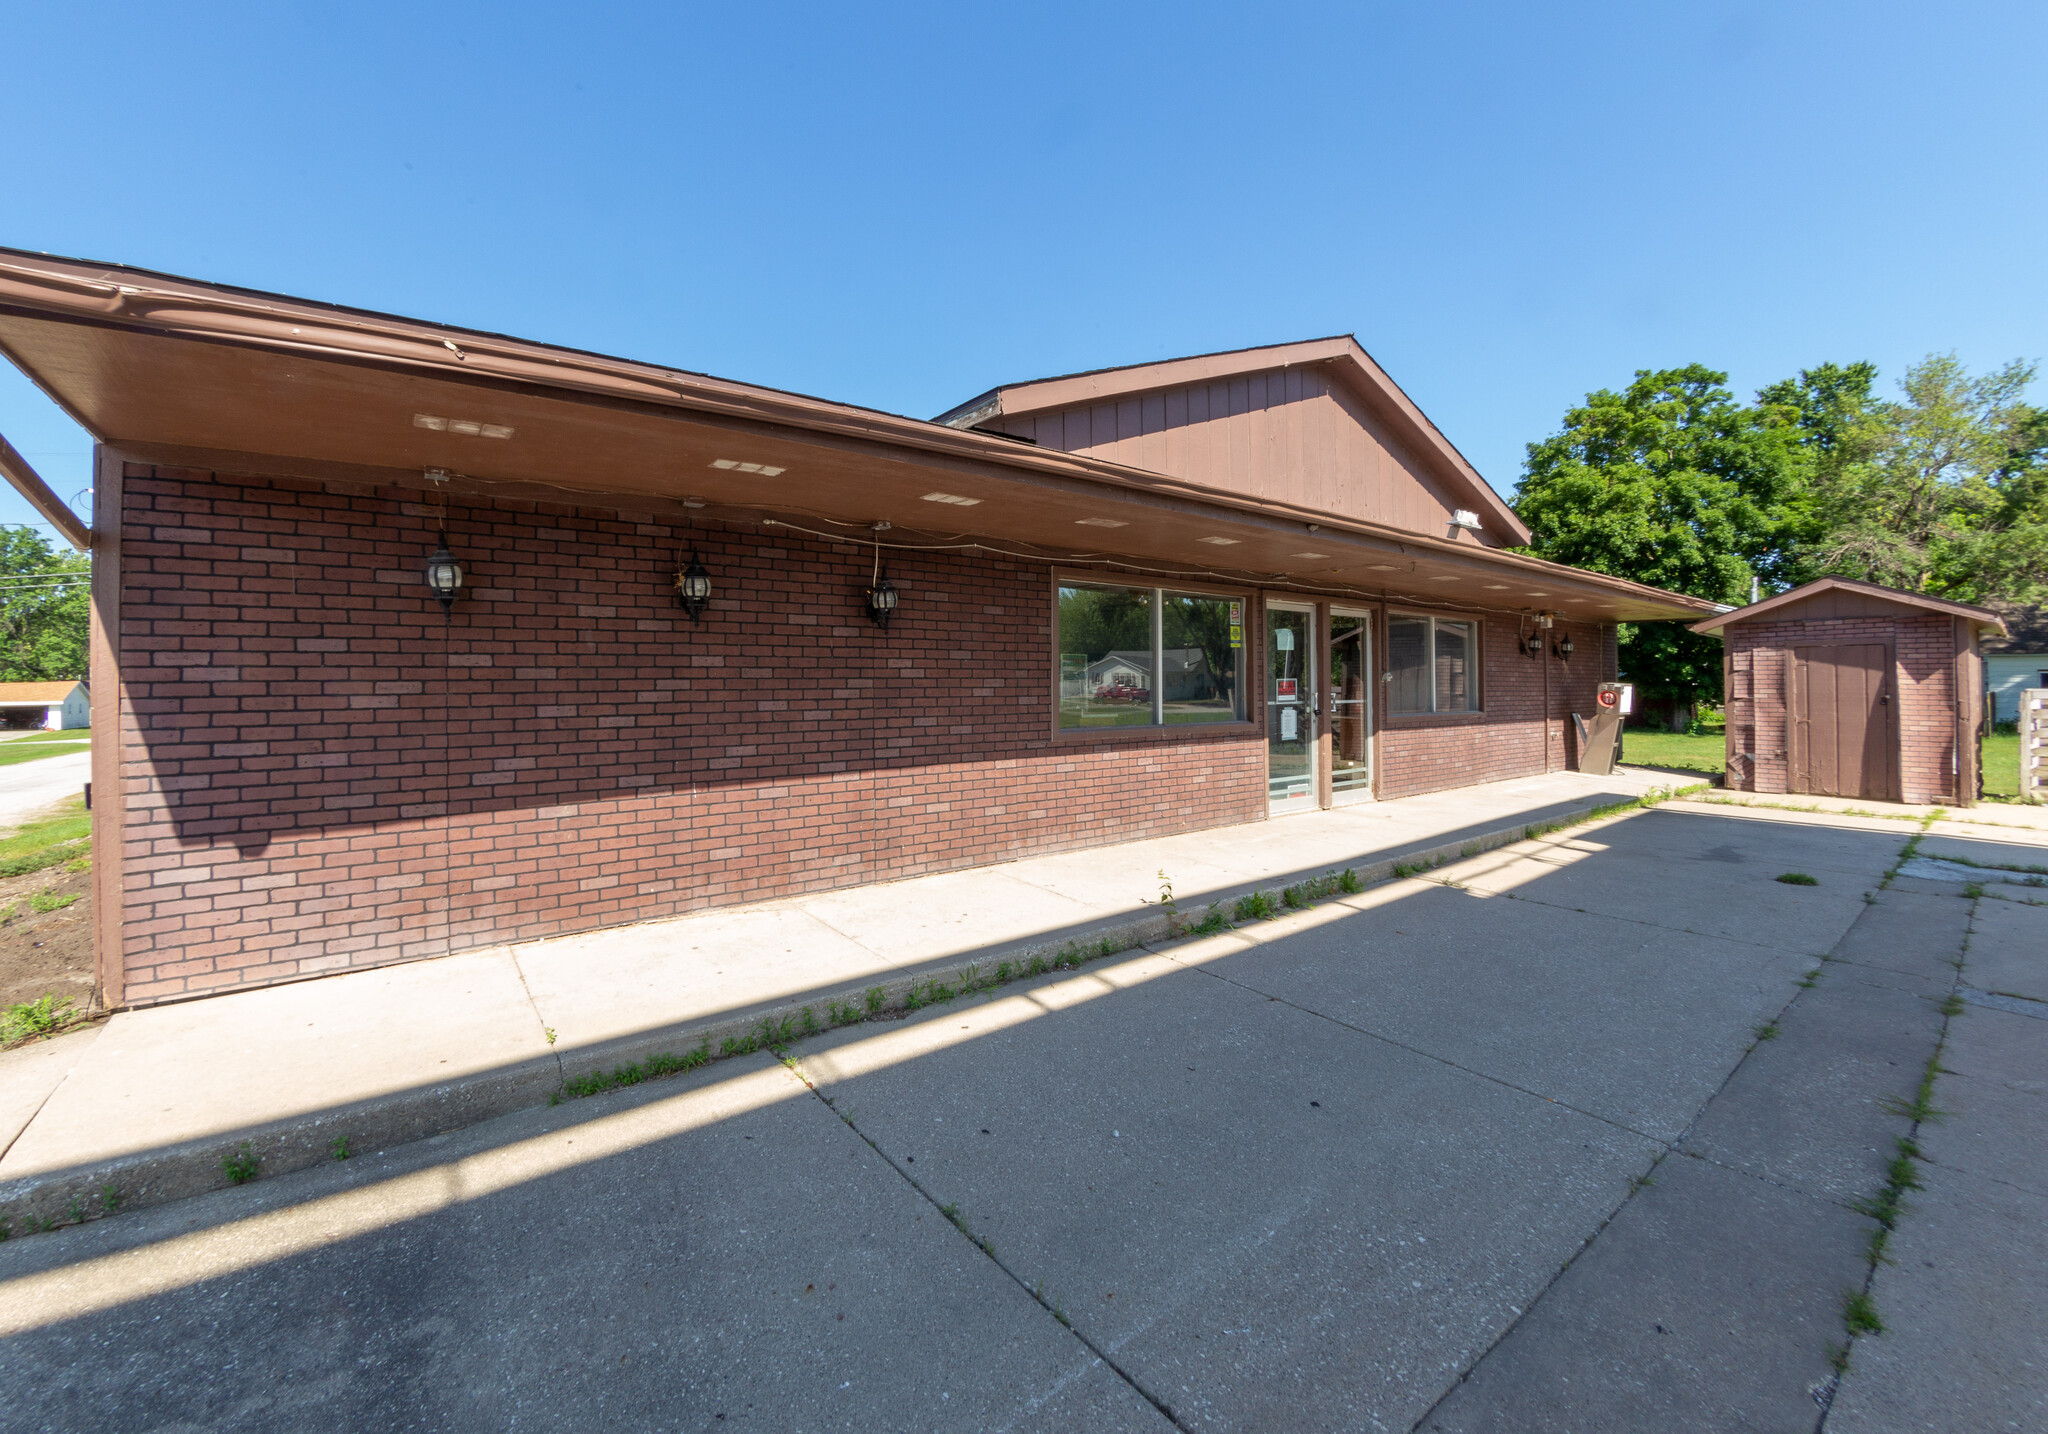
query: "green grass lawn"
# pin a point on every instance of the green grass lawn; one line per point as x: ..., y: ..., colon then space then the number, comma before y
x: 1646, y: 747
x: 43, y: 744
x: 2002, y: 766
x: 63, y: 835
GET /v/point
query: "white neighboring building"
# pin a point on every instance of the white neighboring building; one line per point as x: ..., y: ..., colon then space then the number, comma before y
x: 52, y: 704
x: 2013, y: 664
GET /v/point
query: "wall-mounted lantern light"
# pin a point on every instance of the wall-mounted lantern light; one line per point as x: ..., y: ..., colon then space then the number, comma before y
x: 693, y: 588
x: 881, y: 592
x: 444, y: 575
x: 881, y: 600
x: 1563, y: 649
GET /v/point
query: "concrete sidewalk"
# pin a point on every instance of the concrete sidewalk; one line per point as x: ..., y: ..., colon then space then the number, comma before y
x: 152, y: 1102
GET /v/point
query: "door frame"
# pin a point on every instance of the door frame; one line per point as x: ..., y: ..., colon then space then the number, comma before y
x: 1368, y: 615
x: 1310, y: 707
x: 1798, y: 733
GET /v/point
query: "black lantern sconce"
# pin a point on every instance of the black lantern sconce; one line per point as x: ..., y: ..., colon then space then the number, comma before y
x: 881, y: 592
x: 1563, y: 649
x: 881, y: 601
x: 693, y: 588
x: 444, y: 575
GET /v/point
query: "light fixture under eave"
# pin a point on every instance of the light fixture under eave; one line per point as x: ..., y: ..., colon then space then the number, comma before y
x: 881, y: 592
x: 1221, y: 542
x: 1100, y: 523
x: 693, y: 588
x: 954, y: 498
x: 1563, y: 649
x: 881, y: 600
x: 444, y: 575
x: 764, y: 469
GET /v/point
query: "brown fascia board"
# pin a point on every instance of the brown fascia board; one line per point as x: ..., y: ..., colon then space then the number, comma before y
x: 1346, y: 356
x: 83, y: 292
x: 1985, y: 619
x: 29, y: 483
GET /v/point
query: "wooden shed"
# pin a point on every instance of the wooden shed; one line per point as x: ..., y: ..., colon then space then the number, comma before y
x: 1848, y: 689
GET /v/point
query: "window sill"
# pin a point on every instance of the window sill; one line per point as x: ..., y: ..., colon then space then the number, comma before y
x: 1171, y: 732
x: 1434, y: 719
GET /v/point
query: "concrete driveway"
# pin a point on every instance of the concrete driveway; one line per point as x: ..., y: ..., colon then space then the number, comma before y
x: 1552, y: 1139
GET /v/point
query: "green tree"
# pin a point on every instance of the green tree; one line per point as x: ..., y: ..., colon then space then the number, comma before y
x: 1671, y: 482
x: 44, y: 604
x: 1944, y: 490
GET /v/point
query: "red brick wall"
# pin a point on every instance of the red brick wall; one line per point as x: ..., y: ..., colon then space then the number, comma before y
x: 322, y: 773
x: 1923, y: 681
x: 1431, y: 754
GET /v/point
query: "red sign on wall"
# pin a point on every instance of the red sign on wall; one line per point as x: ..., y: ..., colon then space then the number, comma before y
x: 1287, y: 689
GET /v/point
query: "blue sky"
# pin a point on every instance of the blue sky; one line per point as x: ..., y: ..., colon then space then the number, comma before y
x: 902, y: 206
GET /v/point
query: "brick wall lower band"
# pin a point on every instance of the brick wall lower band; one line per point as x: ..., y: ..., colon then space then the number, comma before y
x: 323, y: 772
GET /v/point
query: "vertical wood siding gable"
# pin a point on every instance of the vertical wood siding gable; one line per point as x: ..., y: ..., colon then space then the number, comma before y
x: 1288, y: 435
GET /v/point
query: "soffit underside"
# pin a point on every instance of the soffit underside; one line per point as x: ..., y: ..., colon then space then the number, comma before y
x: 248, y: 409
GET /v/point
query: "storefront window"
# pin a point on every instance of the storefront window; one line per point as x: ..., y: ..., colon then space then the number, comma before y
x: 1201, y: 659
x: 1136, y: 657
x: 1435, y: 665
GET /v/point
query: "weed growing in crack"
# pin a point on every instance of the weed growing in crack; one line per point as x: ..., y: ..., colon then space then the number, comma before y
x: 876, y: 998
x: 1810, y: 979
x: 1859, y: 1313
x: 110, y: 1200
x: 1259, y: 906
x: 843, y: 1013
x: 241, y: 1165
x: 339, y: 1147
x: 661, y: 1063
x: 1797, y: 878
x: 1951, y: 1004
x: 1768, y: 1031
x: 1213, y: 921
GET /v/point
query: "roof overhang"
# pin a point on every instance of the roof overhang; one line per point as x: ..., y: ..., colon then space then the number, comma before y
x: 181, y: 373
x: 1983, y: 619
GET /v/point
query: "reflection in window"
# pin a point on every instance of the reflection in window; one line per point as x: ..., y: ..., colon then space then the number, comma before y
x: 1116, y: 670
x: 1106, y: 668
x: 1201, y: 658
x: 1435, y: 665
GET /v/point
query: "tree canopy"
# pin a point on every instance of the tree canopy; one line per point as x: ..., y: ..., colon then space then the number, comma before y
x: 1675, y: 483
x: 1670, y: 482
x: 44, y: 604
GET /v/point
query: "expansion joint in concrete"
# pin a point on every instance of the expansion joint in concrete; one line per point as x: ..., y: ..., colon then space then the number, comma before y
x: 987, y: 1251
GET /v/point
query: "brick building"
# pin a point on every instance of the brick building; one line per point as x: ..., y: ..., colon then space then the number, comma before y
x: 1848, y: 689
x: 902, y: 663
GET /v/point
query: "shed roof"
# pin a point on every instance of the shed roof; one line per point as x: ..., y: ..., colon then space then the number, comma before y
x: 1985, y: 619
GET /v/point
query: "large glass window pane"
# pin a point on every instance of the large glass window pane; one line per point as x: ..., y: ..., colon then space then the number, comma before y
x: 1201, y: 669
x: 1408, y: 660
x: 1456, y: 689
x: 1106, y: 675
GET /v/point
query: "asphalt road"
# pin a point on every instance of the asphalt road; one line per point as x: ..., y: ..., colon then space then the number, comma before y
x: 28, y: 787
x: 1565, y: 1145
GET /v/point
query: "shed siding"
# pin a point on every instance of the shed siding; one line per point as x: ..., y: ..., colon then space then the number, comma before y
x: 1292, y: 435
x: 1924, y: 675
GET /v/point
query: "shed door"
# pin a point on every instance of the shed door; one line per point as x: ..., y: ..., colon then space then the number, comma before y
x: 1844, y: 735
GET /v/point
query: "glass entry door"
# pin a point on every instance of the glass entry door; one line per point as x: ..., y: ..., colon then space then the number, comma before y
x: 1290, y: 709
x: 1350, y: 707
